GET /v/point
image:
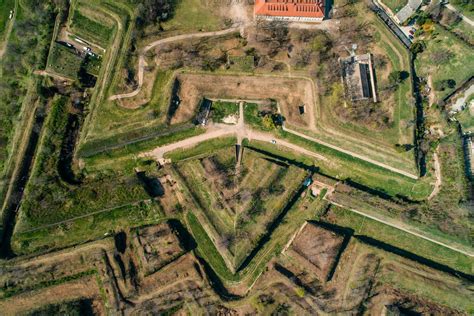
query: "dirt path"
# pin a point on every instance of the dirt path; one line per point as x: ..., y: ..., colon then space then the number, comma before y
x: 361, y: 157
x: 3, y: 45
x: 432, y: 95
x: 142, y: 63
x: 438, y: 182
x: 465, y: 18
x: 45, y: 73
x: 221, y: 130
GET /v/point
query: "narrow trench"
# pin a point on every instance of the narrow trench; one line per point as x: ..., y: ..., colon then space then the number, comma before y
x: 14, y: 201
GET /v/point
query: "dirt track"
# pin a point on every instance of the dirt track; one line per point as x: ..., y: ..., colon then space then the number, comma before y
x: 217, y: 131
x: 9, y: 28
x: 142, y: 63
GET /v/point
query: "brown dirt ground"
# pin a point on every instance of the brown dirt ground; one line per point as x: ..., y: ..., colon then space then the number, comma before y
x: 156, y: 246
x: 319, y: 246
x: 289, y: 92
x: 80, y: 289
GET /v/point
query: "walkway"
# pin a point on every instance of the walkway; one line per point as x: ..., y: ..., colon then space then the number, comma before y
x: 8, y: 31
x: 465, y: 18
x: 350, y: 153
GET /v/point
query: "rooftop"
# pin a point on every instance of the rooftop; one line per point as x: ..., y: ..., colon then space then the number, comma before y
x: 290, y: 8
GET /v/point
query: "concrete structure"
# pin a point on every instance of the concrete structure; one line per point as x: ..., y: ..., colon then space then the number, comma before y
x: 202, y: 116
x: 358, y: 77
x: 407, y: 11
x: 290, y: 10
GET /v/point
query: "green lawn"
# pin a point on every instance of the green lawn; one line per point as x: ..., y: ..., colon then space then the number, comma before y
x: 64, y: 61
x: 344, y: 166
x: 90, y: 29
x: 49, y: 199
x: 204, y: 148
x: 221, y: 110
x: 376, y: 143
x: 194, y: 15
x: 395, y: 5
x: 5, y: 7
x: 87, y: 228
x: 457, y: 65
x: 242, y: 63
x: 398, y: 238
x: 304, y: 209
x: 465, y: 6
x: 114, y: 123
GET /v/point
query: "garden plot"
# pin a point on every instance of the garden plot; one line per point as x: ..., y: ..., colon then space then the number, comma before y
x: 447, y: 60
x: 239, y: 205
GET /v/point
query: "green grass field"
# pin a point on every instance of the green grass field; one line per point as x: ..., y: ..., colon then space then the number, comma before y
x: 459, y: 63
x: 398, y: 238
x: 5, y: 7
x: 221, y: 110
x: 49, y: 199
x: 194, y: 15
x: 115, y: 120
x: 64, y: 61
x: 466, y: 119
x: 343, y: 166
x: 87, y: 228
x: 395, y: 5
x: 91, y: 29
x: 202, y: 149
x: 265, y: 188
x: 242, y: 63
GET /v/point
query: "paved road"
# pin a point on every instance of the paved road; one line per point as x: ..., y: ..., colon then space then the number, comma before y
x: 142, y: 63
x: 465, y: 18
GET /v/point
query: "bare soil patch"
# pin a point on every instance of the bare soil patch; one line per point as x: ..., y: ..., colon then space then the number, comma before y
x: 156, y: 246
x: 318, y: 246
x: 86, y: 288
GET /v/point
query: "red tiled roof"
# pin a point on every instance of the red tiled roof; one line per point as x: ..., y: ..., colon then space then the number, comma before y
x: 290, y: 8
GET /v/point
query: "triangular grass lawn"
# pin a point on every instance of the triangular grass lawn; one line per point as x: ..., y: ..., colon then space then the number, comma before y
x: 238, y: 205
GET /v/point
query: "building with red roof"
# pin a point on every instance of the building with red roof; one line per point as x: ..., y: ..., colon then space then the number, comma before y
x: 290, y: 10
